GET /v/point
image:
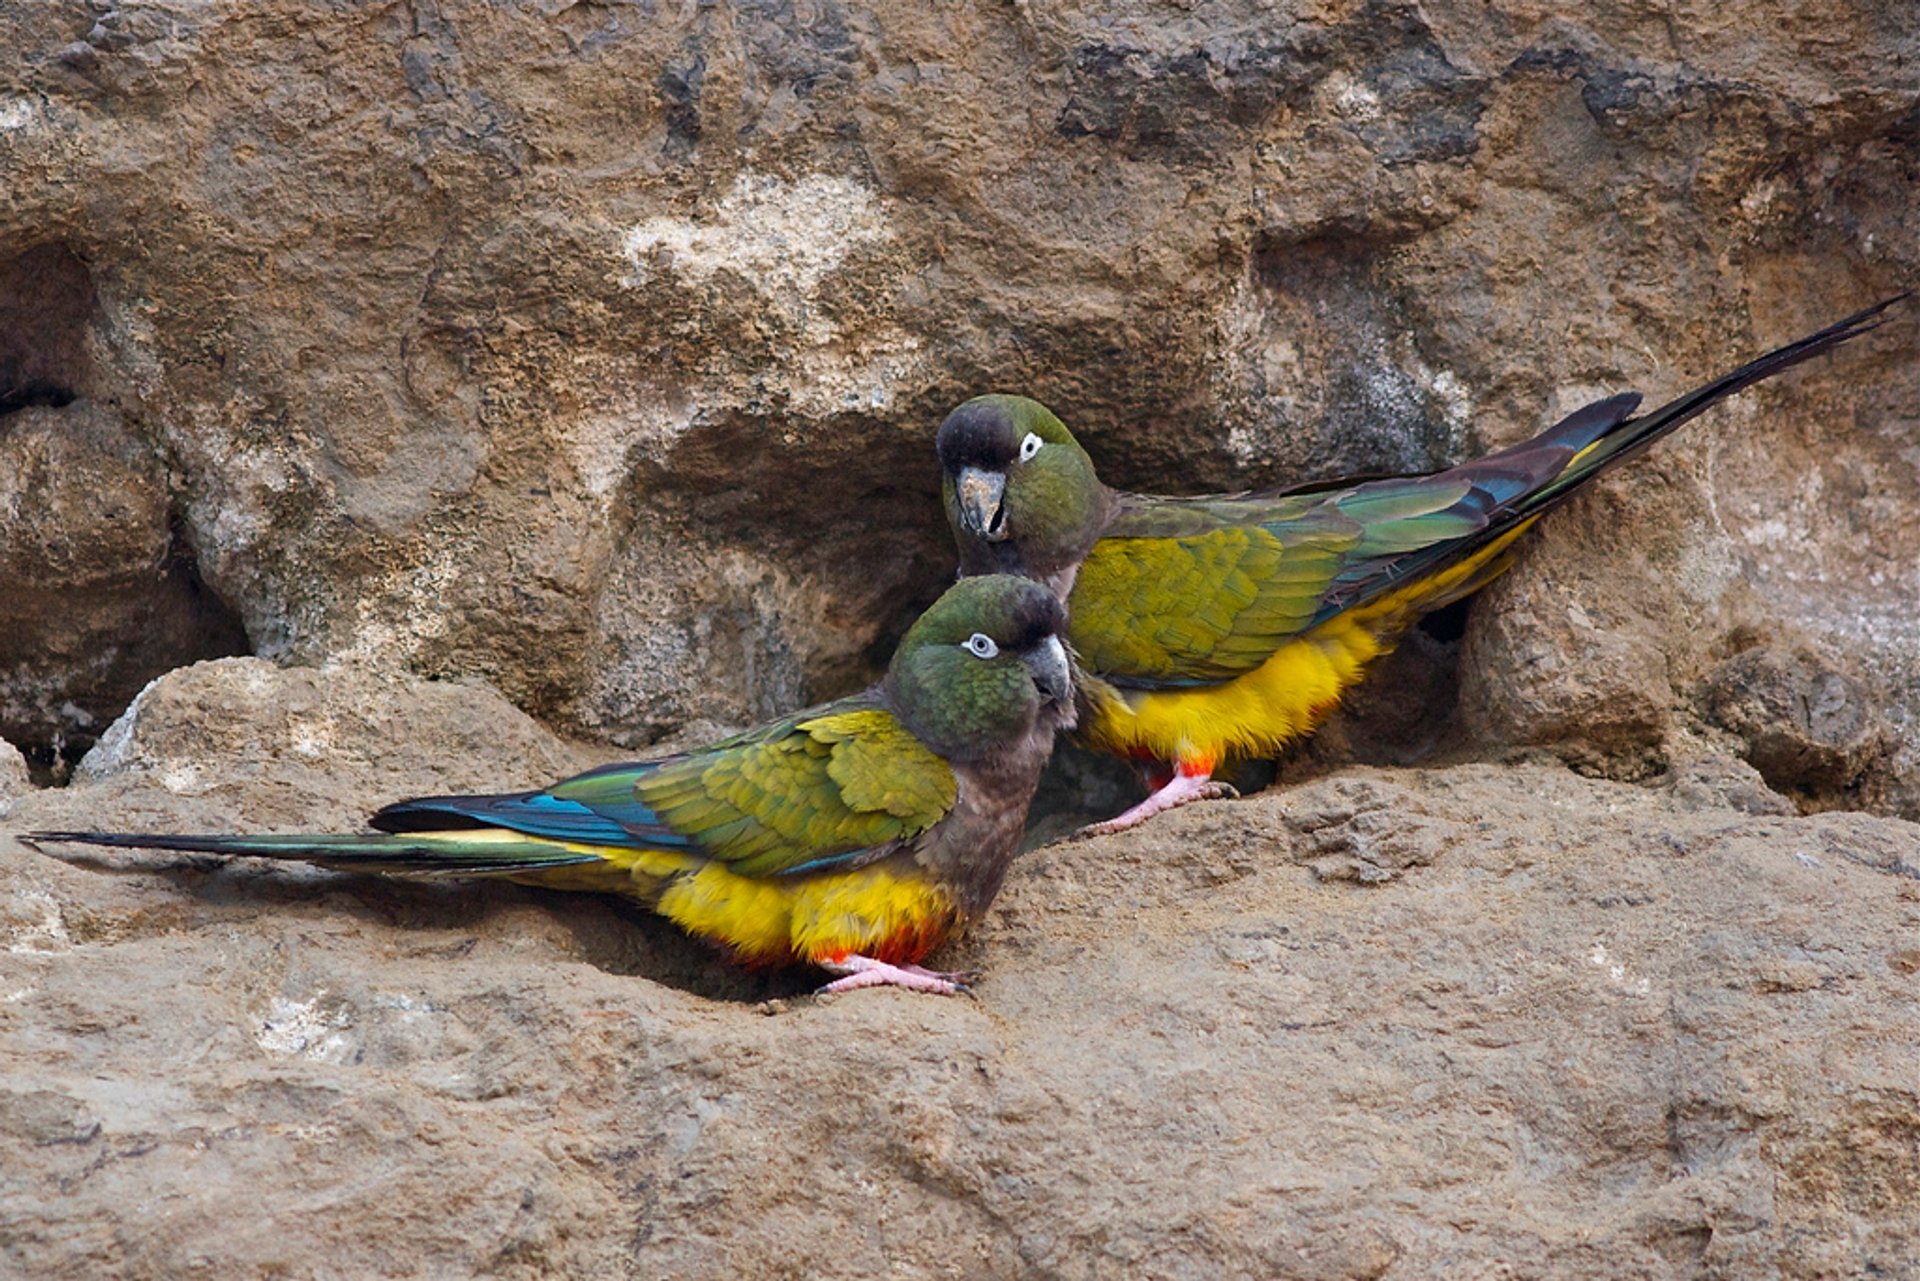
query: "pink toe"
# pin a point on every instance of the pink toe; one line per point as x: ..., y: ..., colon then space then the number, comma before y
x: 863, y: 971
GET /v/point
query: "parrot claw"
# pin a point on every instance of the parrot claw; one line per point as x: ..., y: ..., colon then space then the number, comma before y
x: 863, y: 971
x: 1182, y: 789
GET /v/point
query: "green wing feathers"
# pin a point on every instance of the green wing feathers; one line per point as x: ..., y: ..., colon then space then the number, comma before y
x: 1202, y: 607
x: 838, y: 787
x: 1162, y: 601
x: 1404, y: 516
x: 832, y: 789
x: 882, y: 769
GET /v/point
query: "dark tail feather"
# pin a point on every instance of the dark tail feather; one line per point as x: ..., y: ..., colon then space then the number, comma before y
x: 1635, y: 435
x: 1515, y: 486
x: 466, y: 853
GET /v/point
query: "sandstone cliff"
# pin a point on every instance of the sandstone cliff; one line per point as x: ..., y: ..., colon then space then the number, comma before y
x: 518, y: 386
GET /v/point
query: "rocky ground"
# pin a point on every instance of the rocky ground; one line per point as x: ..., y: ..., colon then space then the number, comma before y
x: 1474, y: 1021
x: 495, y: 389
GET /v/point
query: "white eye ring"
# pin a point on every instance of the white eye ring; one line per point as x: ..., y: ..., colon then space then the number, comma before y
x: 981, y: 645
x: 1030, y: 446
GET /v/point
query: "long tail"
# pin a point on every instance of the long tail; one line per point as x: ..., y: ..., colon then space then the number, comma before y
x: 1633, y: 436
x: 475, y: 852
x: 1430, y: 540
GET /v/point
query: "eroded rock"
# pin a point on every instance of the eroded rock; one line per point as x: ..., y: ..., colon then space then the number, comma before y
x: 1557, y: 655
x: 334, y: 742
x: 14, y: 779
x: 1201, y: 1048
x: 99, y: 597
x: 1808, y: 728
x: 1723, y: 782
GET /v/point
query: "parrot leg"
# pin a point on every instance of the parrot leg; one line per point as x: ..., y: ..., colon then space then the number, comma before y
x: 858, y: 971
x: 1192, y: 781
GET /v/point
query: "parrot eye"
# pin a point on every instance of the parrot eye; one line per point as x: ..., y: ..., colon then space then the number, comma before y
x: 981, y: 645
x: 1030, y: 446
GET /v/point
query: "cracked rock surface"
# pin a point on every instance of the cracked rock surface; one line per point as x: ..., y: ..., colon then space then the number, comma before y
x: 1479, y: 1020
x: 487, y: 391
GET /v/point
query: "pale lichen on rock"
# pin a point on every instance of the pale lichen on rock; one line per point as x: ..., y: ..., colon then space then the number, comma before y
x: 594, y: 352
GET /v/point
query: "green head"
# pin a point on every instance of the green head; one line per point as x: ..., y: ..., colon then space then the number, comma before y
x: 983, y: 668
x: 1020, y: 492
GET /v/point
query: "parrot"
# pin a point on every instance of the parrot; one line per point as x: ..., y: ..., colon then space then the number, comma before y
x: 856, y: 836
x: 1228, y: 625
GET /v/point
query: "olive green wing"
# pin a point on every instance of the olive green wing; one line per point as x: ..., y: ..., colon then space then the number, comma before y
x: 1194, y: 592
x: 1200, y: 607
x: 837, y: 787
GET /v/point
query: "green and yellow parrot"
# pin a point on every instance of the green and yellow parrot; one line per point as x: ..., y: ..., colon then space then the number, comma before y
x: 857, y: 836
x: 1229, y: 625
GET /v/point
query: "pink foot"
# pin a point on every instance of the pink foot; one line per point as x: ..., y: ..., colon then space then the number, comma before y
x: 858, y: 971
x: 1181, y: 789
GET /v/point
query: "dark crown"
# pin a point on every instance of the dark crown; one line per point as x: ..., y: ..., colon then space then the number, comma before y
x: 978, y: 434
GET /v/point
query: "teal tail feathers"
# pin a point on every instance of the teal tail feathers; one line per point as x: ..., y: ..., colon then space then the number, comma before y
x: 475, y: 852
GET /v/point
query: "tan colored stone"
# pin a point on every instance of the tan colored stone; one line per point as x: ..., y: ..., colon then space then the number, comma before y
x: 96, y: 599
x: 1458, y: 1021
x: 14, y: 779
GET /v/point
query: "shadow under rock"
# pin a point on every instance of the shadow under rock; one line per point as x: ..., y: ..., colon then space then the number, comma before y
x: 606, y: 932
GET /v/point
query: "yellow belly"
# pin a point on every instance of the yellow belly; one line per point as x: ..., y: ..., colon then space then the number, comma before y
x: 1253, y: 715
x: 1258, y: 713
x: 823, y: 916
x: 873, y: 911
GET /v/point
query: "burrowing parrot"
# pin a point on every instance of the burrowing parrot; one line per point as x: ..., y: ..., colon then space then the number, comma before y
x: 1227, y: 625
x: 857, y: 836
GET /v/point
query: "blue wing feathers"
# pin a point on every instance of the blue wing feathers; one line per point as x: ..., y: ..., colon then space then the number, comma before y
x: 595, y: 808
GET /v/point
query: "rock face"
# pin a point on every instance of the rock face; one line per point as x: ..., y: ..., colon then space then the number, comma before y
x: 15, y: 781
x: 1475, y: 1021
x: 596, y: 349
x: 98, y: 597
x: 486, y: 370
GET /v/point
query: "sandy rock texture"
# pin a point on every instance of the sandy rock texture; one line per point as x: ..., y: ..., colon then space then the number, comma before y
x: 15, y: 781
x: 1475, y: 1021
x: 448, y: 374
x: 595, y: 348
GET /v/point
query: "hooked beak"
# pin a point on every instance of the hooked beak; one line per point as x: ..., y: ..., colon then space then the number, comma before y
x: 1052, y: 673
x: 980, y: 493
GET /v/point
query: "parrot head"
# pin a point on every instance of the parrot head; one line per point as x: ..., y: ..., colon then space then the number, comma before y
x: 1021, y: 494
x: 984, y: 668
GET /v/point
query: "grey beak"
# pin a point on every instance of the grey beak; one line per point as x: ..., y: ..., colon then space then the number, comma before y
x: 980, y: 493
x: 1052, y: 673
